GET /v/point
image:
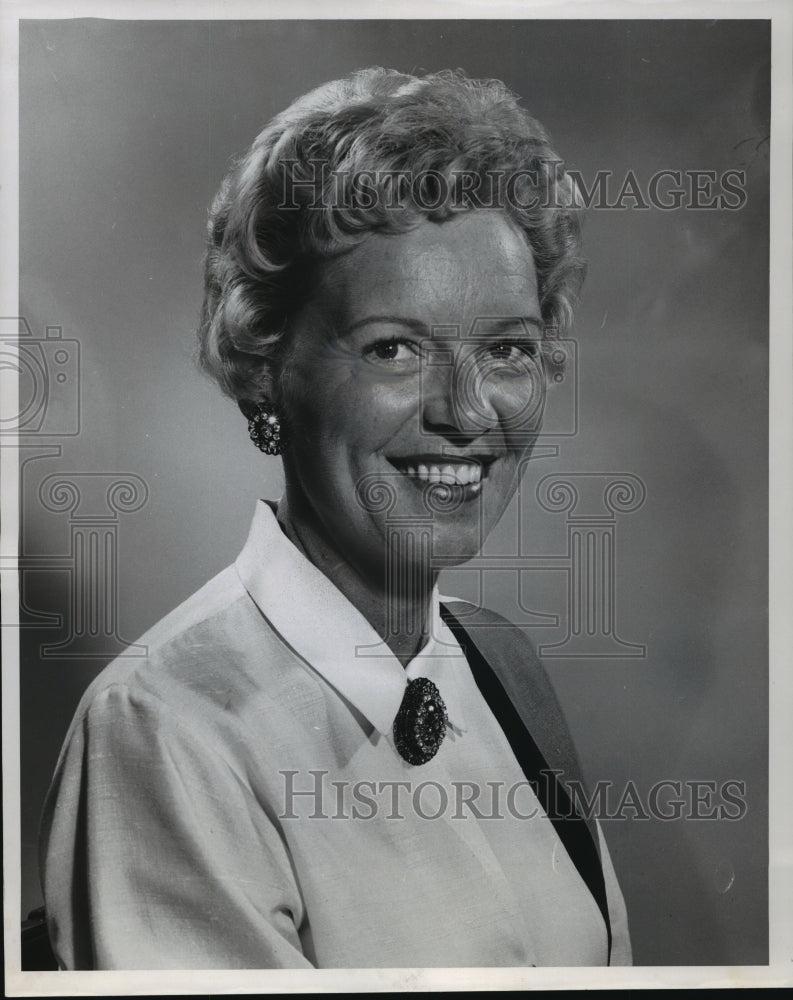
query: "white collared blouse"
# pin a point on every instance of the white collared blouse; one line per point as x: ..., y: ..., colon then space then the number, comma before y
x: 234, y: 799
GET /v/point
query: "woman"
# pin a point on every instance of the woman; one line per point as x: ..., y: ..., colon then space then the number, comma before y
x: 321, y: 762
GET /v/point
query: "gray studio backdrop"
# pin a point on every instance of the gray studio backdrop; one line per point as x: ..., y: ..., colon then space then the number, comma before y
x: 138, y: 479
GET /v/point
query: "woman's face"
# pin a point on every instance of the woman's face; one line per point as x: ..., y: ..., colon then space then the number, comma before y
x: 412, y: 388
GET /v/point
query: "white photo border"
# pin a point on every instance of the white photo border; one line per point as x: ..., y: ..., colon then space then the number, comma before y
x: 780, y: 969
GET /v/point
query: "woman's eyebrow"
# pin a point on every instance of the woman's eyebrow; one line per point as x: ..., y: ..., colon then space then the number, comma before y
x: 500, y: 324
x: 416, y: 325
x: 492, y: 324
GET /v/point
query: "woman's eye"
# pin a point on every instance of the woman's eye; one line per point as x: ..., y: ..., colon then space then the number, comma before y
x: 393, y: 353
x: 507, y: 349
x: 515, y: 355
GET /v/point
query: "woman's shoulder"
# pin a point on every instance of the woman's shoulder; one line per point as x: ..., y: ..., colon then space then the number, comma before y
x: 205, y: 657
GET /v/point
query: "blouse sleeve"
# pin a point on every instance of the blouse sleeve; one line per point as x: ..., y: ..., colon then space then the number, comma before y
x: 155, y: 853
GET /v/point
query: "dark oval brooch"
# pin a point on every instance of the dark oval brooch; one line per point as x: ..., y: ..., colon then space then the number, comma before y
x: 420, y: 723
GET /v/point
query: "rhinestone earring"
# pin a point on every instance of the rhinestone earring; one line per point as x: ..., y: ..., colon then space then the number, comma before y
x: 264, y: 428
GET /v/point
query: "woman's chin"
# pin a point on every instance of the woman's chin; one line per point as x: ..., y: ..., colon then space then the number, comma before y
x: 440, y: 525
x: 436, y: 543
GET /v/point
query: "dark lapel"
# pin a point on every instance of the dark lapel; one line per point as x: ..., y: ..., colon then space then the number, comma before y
x: 516, y: 687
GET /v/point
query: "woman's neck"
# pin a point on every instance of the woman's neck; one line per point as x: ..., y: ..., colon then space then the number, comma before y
x: 401, y: 616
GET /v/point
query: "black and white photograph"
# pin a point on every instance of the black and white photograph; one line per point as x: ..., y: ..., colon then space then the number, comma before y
x: 396, y: 476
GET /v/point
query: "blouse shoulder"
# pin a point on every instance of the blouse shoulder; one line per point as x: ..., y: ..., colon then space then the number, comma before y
x: 205, y: 659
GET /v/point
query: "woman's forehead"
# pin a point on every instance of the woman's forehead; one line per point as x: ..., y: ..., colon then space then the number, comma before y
x: 476, y: 263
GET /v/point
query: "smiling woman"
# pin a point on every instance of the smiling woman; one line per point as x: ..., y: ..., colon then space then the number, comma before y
x: 384, y: 268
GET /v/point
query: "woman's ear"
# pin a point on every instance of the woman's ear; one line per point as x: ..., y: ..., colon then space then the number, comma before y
x: 264, y: 390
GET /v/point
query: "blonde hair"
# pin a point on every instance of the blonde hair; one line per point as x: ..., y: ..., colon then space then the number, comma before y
x: 376, y: 151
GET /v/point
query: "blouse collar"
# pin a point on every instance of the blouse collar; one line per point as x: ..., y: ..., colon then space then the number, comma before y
x: 326, y: 630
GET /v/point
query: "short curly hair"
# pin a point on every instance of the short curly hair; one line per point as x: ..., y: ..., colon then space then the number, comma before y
x: 378, y: 151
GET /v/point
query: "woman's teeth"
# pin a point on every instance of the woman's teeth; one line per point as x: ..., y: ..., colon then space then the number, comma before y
x: 450, y: 475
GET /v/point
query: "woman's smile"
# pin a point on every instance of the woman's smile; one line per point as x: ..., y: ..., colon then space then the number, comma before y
x: 442, y: 469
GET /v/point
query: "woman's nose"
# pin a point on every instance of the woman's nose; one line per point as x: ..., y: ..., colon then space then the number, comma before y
x: 457, y: 398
